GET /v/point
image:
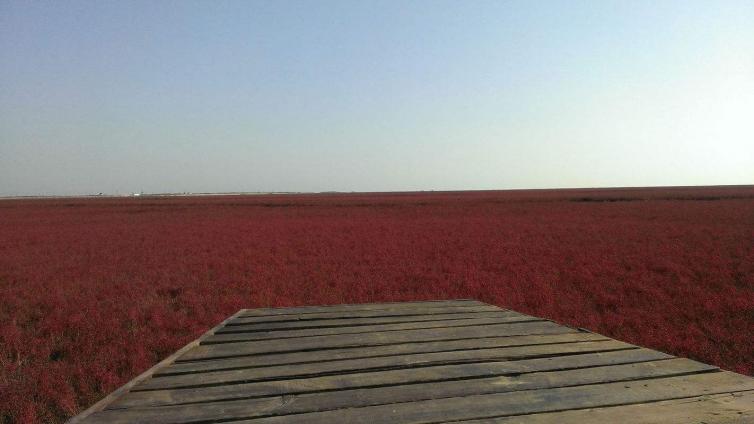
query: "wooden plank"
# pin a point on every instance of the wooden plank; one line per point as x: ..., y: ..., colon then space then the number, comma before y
x: 283, y: 334
x: 523, y: 402
x: 361, y: 307
x: 369, y: 314
x: 375, y: 351
x: 107, y: 400
x: 240, y: 325
x: 327, y: 401
x: 351, y: 365
x: 379, y: 363
x: 391, y: 380
x: 371, y: 339
x: 728, y: 408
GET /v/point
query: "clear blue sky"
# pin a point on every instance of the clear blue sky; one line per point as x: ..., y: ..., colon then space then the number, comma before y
x: 123, y: 96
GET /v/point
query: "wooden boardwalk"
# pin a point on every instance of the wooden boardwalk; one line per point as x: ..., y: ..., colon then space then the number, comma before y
x: 420, y: 362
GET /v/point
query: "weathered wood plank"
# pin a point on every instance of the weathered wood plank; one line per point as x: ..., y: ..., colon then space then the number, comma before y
x: 239, y: 325
x: 375, y: 351
x: 380, y: 363
x: 371, y: 339
x: 327, y: 401
x: 361, y: 307
x: 524, y: 402
x: 369, y: 314
x: 396, y: 377
x: 728, y: 408
x: 283, y: 334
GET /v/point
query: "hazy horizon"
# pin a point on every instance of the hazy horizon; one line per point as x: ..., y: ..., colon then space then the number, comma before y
x: 295, y: 96
x: 336, y: 192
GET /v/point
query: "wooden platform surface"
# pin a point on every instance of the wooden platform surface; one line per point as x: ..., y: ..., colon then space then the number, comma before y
x: 420, y: 362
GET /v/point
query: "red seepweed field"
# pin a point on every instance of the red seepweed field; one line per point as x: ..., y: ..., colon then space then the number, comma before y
x: 96, y: 290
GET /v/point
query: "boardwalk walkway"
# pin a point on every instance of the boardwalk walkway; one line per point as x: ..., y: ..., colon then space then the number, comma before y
x: 420, y: 362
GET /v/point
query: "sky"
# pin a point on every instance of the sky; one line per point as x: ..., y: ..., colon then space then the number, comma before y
x: 218, y: 96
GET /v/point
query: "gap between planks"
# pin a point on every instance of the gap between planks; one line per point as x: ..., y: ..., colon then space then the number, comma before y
x: 299, y: 358
x: 244, y: 348
x: 374, y: 365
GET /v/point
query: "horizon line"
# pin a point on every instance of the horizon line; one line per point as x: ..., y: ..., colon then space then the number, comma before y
x: 336, y: 192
